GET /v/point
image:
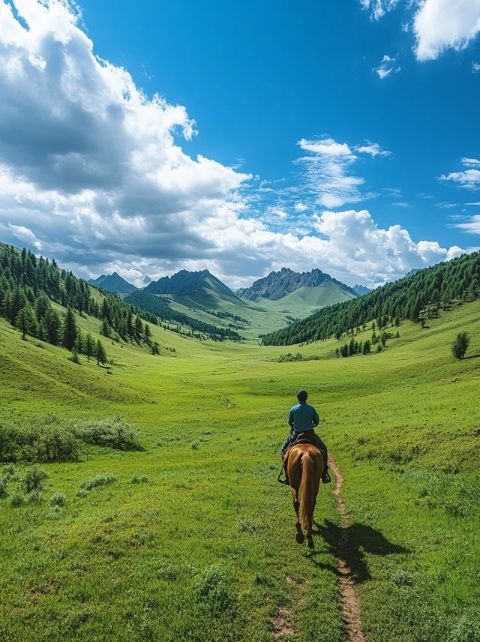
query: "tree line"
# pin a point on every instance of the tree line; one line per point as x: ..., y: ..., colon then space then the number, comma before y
x: 417, y: 296
x: 160, y: 307
x: 29, y: 288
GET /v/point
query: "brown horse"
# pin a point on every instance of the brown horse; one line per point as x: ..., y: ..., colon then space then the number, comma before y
x: 305, y: 465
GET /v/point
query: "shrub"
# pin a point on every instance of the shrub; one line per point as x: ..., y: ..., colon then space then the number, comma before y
x: 114, y: 433
x: 54, y: 513
x: 9, y: 470
x: 33, y: 479
x: 460, y: 345
x: 194, y: 444
x: 35, y: 497
x: 213, y: 591
x: 58, y: 499
x: 37, y: 440
x: 139, y: 479
x: 99, y: 480
x: 3, y: 488
x: 17, y: 499
x: 402, y: 578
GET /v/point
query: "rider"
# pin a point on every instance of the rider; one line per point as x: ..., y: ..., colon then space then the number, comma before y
x: 303, y: 418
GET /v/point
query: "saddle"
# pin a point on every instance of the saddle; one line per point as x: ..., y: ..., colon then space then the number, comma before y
x: 301, y: 438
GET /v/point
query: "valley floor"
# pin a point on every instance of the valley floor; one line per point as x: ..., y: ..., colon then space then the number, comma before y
x: 202, y: 547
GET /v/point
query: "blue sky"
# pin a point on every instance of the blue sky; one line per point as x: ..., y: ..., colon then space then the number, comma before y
x: 333, y: 135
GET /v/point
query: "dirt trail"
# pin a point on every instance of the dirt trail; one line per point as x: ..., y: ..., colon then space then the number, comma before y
x: 351, y: 611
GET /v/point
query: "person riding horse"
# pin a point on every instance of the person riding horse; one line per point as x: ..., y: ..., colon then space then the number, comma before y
x: 302, y: 419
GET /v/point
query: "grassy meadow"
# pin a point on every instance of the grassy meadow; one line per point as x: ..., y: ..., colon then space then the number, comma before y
x: 192, y: 538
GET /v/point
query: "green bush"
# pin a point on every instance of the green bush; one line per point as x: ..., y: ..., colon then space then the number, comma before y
x: 35, y: 497
x: 33, y: 479
x: 402, y: 578
x: 58, y: 499
x: 37, y: 440
x: 139, y: 479
x: 3, y: 488
x: 113, y: 433
x: 17, y: 499
x: 213, y: 591
x: 99, y: 480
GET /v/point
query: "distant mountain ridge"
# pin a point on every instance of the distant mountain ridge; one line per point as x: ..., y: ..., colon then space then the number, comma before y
x: 187, y: 284
x: 276, y: 285
x: 361, y: 289
x: 113, y: 283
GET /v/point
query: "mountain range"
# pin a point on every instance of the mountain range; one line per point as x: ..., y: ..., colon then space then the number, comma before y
x: 191, y: 284
x: 113, y: 283
x: 269, y: 303
x: 279, y: 284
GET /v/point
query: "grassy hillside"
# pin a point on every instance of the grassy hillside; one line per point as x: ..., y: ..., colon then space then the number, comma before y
x: 194, y: 539
x: 307, y: 300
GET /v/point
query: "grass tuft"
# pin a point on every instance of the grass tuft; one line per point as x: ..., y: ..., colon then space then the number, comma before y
x: 98, y: 480
x: 213, y: 591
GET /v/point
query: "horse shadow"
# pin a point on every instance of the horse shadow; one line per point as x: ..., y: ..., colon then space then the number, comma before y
x: 350, y: 544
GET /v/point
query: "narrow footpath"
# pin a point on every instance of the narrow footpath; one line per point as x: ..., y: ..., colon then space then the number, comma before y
x: 351, y: 612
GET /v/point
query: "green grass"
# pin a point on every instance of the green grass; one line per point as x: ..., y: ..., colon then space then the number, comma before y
x: 203, y: 548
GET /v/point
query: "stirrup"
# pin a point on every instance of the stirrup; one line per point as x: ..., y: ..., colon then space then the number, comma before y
x: 326, y: 479
x: 282, y: 481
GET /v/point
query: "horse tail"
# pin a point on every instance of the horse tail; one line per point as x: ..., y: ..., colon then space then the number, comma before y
x: 307, y: 491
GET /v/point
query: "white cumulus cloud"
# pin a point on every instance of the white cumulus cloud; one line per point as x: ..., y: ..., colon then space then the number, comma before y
x: 445, y: 24
x: 468, y: 178
x: 437, y: 25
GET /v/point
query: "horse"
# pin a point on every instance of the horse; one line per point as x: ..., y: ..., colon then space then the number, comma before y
x: 305, y: 465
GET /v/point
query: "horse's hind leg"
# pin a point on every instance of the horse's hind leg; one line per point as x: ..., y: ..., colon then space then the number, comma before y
x: 300, y: 537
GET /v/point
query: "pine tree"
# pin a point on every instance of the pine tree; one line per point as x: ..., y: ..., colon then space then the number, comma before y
x: 138, y: 329
x: 89, y: 346
x: 79, y: 343
x: 69, y: 329
x: 105, y: 329
x: 53, y: 327
x: 26, y: 322
x: 100, y: 353
x: 147, y: 334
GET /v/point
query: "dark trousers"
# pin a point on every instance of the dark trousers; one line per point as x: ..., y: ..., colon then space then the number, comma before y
x: 315, y: 439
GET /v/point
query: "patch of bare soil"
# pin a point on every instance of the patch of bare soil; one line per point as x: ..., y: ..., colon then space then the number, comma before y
x: 282, y: 630
x: 351, y: 611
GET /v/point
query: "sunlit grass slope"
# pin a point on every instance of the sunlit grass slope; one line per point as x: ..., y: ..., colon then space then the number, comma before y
x: 203, y: 548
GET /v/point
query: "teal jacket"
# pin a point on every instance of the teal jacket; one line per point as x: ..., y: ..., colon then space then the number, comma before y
x: 303, y: 417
